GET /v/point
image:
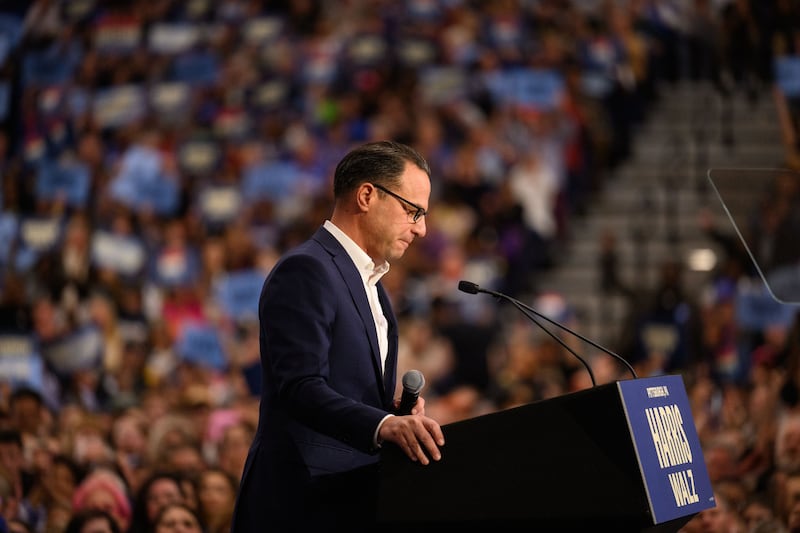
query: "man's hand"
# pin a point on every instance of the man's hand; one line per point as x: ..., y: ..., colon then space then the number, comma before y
x: 418, y: 409
x: 415, y: 434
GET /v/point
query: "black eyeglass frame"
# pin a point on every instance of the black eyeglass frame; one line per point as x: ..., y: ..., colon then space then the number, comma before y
x: 418, y: 213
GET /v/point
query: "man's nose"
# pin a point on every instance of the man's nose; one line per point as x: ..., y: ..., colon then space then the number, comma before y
x: 419, y: 228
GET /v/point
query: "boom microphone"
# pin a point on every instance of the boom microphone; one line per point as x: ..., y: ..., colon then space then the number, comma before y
x: 473, y: 288
x: 413, y: 381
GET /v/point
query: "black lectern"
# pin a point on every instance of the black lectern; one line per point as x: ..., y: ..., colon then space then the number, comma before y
x: 618, y: 457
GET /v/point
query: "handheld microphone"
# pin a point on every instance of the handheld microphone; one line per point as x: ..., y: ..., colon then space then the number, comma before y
x: 473, y: 288
x: 413, y: 381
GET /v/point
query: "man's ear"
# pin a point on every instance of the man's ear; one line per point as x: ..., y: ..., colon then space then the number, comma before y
x: 365, y: 195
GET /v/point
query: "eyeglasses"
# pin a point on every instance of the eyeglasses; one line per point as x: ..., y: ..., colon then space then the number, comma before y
x: 414, y: 214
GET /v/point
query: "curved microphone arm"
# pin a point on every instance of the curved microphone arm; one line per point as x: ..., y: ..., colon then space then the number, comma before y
x: 554, y: 336
x: 473, y: 288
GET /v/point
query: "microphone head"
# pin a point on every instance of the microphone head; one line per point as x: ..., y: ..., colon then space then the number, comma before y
x: 413, y: 381
x: 468, y: 287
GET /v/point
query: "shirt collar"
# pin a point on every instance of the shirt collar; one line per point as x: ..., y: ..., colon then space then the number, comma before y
x: 370, y: 272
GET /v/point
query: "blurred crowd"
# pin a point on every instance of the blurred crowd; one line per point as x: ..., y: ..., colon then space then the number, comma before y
x: 158, y: 156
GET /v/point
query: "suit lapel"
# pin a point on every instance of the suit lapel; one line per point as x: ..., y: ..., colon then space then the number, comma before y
x: 389, y: 376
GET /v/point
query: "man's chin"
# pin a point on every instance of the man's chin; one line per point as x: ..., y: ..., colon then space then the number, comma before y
x: 398, y: 251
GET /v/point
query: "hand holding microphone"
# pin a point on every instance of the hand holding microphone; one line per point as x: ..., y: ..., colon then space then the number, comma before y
x: 418, y: 436
x: 413, y: 381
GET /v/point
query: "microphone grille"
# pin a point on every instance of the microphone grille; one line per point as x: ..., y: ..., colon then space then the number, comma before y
x: 413, y: 380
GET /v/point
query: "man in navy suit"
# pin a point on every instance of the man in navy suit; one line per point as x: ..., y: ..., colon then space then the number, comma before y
x: 329, y: 356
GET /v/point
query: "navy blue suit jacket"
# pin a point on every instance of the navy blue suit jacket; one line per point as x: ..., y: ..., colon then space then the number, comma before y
x: 313, y: 460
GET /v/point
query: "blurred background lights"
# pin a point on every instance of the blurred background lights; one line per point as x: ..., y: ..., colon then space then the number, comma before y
x: 702, y: 260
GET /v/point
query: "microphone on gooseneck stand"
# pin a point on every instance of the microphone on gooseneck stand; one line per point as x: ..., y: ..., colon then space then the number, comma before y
x: 473, y: 288
x: 413, y: 381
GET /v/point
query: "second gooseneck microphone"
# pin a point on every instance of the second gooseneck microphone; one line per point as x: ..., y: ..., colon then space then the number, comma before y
x: 473, y: 288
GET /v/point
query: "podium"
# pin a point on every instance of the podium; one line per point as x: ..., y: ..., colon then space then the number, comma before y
x: 623, y: 457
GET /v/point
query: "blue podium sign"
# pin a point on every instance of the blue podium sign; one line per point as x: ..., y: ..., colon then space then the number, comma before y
x: 667, y: 446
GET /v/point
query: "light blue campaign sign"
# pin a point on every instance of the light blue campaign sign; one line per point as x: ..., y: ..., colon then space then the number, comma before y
x: 667, y: 446
x: 141, y: 183
x: 195, y: 68
x: 140, y: 163
x: 787, y: 75
x: 536, y: 88
x: 200, y: 344
x: 20, y: 363
x: 68, y: 178
x: 161, y: 196
x: 541, y: 89
x: 8, y: 235
x: 238, y: 293
x: 271, y: 180
x: 783, y: 283
x: 756, y: 309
